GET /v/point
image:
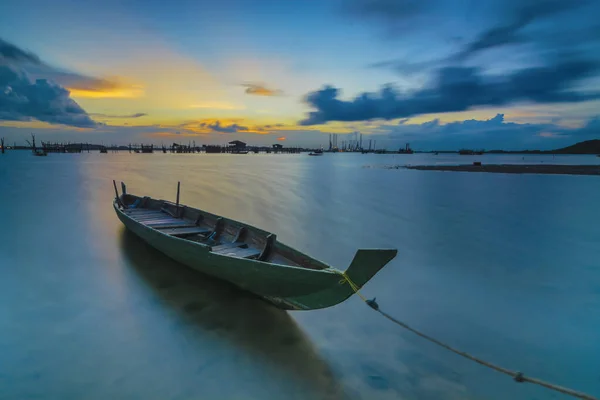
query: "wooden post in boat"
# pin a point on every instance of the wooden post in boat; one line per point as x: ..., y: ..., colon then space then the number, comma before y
x: 117, y: 193
x: 123, y: 188
x: 177, y: 201
x: 2, y: 144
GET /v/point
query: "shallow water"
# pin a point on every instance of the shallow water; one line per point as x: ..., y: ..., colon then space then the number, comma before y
x: 506, y: 267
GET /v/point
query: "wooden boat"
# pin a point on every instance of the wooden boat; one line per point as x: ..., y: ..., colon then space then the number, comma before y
x: 248, y: 257
x: 34, y: 150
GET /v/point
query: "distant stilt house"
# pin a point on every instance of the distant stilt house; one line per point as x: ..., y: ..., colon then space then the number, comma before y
x: 277, y: 148
x: 237, y: 147
x: 213, y: 149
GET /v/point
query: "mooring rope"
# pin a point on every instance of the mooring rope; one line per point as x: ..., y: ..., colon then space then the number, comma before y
x: 516, y: 375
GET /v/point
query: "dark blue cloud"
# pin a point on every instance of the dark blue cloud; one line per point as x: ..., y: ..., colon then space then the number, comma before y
x: 11, y: 53
x: 458, y: 89
x: 217, y: 127
x: 24, y: 100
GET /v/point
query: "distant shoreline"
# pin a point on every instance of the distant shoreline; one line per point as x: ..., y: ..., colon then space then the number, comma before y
x: 511, y: 169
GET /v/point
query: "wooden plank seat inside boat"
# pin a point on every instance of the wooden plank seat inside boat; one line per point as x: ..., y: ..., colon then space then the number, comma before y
x: 163, y: 220
x: 177, y: 224
x: 183, y: 232
x: 226, y: 246
x: 140, y: 210
x: 239, y: 252
x: 160, y: 219
x: 149, y: 215
x: 145, y: 215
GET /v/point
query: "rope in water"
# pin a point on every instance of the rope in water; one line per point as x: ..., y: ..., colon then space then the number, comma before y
x: 517, y: 376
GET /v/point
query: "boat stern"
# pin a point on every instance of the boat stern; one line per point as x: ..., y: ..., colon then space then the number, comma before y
x: 367, y: 262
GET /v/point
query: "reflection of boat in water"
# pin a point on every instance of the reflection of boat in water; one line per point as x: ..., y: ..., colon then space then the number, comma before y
x: 248, y: 257
x: 212, y: 309
x: 316, y: 153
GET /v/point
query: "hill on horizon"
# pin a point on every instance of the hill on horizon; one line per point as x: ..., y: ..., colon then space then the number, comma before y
x: 585, y: 147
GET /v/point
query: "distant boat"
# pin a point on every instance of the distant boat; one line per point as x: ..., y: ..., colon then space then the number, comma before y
x: 34, y: 150
x: 103, y: 150
x: 248, y: 257
x: 316, y: 153
x: 240, y: 152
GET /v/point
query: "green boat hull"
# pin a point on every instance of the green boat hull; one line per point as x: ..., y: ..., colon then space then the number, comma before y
x: 287, y: 287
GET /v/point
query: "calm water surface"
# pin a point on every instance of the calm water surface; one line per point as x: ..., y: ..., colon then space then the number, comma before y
x: 506, y: 267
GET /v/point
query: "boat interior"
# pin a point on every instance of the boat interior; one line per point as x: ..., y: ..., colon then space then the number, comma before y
x: 223, y: 236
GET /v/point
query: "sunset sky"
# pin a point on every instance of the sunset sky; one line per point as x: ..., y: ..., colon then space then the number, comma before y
x: 438, y: 74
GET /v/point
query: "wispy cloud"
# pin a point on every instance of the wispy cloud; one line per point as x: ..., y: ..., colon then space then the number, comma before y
x: 258, y: 89
x: 539, y: 27
x: 218, y: 105
x: 136, y: 115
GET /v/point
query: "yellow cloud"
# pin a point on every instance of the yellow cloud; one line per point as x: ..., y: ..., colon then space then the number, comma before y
x: 113, y: 87
x: 260, y: 90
